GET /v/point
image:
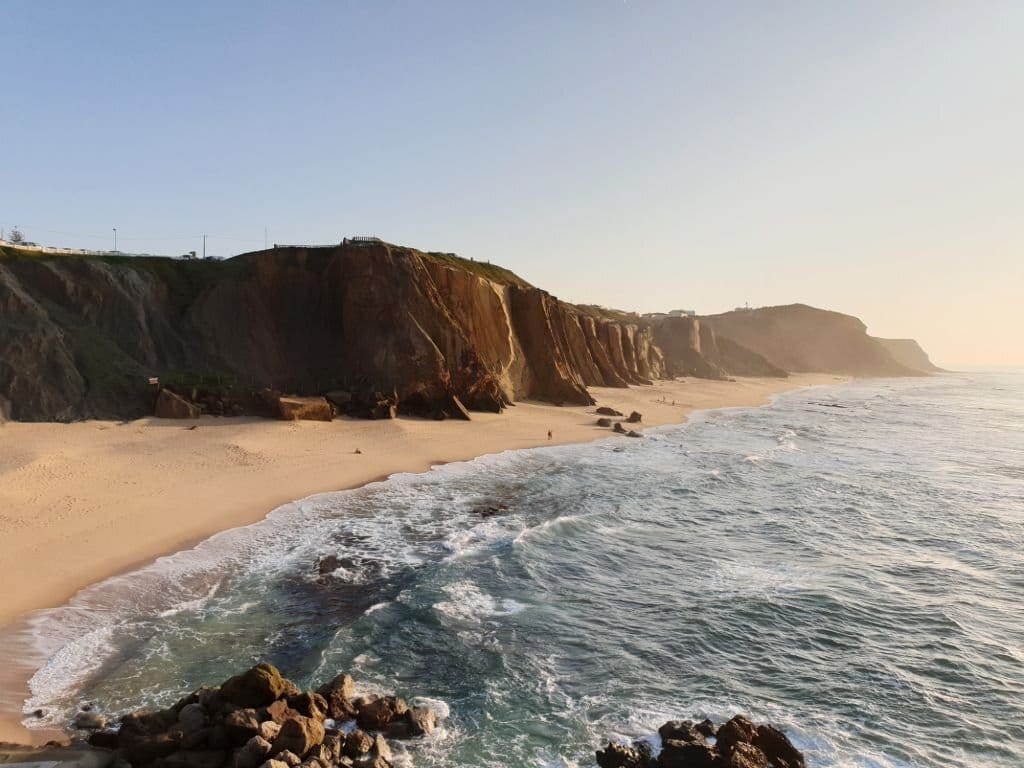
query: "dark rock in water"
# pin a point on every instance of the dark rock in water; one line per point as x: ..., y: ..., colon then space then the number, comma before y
x: 90, y: 721
x: 420, y: 721
x: 687, y: 754
x: 604, y: 410
x: 338, y: 694
x: 619, y: 428
x: 620, y: 756
x: 299, y: 735
x: 490, y: 510
x: 680, y: 730
x: 633, y: 433
x: 358, y: 743
x: 258, y: 687
x: 706, y: 728
x: 104, y: 739
x: 377, y: 714
x: 634, y: 418
x: 745, y: 755
x: 739, y: 730
x: 778, y: 748
x: 328, y: 564
x: 646, y: 753
x: 604, y: 422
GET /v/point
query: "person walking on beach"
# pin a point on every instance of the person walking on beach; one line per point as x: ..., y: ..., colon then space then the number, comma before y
x: 550, y: 434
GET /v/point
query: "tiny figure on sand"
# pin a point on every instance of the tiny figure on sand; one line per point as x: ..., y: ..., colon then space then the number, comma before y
x: 550, y: 434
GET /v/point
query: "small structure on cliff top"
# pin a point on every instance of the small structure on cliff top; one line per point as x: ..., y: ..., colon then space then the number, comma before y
x: 361, y: 240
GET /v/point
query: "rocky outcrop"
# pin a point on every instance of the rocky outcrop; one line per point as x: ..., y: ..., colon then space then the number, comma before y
x: 797, y: 337
x: 738, y: 743
x: 259, y: 718
x: 908, y: 352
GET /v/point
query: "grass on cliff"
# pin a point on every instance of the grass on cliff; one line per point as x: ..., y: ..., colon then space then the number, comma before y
x: 482, y: 268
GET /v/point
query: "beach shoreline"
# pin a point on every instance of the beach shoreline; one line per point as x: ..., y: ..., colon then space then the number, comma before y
x: 91, y: 500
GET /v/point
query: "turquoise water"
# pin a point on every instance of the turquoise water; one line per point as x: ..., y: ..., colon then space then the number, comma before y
x: 845, y: 563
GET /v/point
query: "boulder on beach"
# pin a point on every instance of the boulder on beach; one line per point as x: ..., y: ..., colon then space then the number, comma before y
x: 305, y: 409
x: 172, y: 406
x: 604, y: 410
x: 634, y: 418
x: 619, y: 428
x: 604, y: 422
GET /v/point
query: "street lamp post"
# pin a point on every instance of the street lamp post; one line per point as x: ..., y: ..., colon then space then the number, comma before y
x: 115, y: 239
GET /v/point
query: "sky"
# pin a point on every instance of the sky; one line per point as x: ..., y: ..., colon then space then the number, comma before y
x: 866, y: 157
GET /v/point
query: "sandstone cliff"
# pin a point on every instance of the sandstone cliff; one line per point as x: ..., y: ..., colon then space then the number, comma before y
x: 909, y: 353
x: 797, y: 337
x: 79, y: 337
x: 691, y: 348
x: 376, y: 328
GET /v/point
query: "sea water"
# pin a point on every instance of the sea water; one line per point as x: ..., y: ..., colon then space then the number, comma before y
x: 846, y: 563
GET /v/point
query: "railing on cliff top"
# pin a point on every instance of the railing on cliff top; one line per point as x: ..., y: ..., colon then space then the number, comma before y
x: 357, y: 240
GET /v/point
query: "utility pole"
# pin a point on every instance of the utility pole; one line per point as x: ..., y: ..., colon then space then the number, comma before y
x: 115, y: 239
x: 204, y: 247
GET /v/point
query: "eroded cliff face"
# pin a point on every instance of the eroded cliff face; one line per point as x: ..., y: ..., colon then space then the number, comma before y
x: 376, y: 325
x: 692, y: 348
x: 79, y: 337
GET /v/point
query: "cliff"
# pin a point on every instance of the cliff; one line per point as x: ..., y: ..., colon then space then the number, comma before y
x: 378, y: 328
x: 797, y: 337
x: 692, y: 348
x: 909, y: 353
x: 80, y: 336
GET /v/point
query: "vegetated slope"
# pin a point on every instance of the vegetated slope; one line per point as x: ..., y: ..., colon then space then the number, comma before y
x: 797, y: 337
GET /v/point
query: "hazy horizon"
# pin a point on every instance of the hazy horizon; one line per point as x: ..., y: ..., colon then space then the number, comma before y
x: 864, y: 158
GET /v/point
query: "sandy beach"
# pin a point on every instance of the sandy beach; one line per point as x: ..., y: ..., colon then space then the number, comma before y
x: 81, y: 502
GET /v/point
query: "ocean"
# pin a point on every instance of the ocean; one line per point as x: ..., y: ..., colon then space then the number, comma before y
x: 845, y: 563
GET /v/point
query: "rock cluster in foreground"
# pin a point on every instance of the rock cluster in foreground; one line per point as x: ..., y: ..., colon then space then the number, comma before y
x: 739, y: 743
x: 259, y: 719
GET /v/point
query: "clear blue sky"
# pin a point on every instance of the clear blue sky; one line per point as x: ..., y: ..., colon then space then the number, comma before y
x: 863, y: 156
